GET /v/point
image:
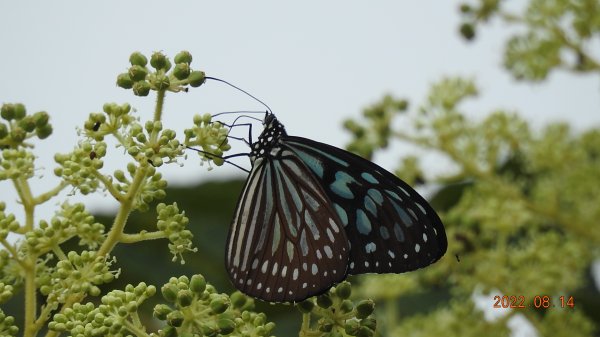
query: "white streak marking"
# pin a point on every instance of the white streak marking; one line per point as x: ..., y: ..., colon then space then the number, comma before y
x: 330, y: 235
x: 328, y: 251
x: 334, y: 226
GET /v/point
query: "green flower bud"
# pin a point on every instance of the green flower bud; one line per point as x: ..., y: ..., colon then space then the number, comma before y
x: 363, y: 331
x: 94, y: 291
x: 157, y: 161
x: 325, y: 325
x: 3, y: 130
x: 133, y: 151
x: 169, y: 292
x: 346, y: 306
x: 351, y: 327
x: 198, y: 284
x: 218, y: 305
x: 305, y: 306
x: 20, y: 111
x: 140, y: 137
x: 324, y: 301
x: 467, y: 30
x: 27, y: 123
x: 209, y: 331
x: 364, y: 309
x: 141, y: 88
x: 161, y: 311
x: 150, y: 291
x: 124, y: 81
x: 226, y: 326
x: 238, y: 299
x: 196, y: 78
x: 7, y: 111
x: 41, y: 118
x: 369, y: 322
x: 137, y: 73
x: 402, y: 105
x: 181, y: 71
x: 44, y: 131
x: 343, y: 290
x: 183, y: 56
x: 158, y: 61
x: 18, y: 134
x: 185, y: 298
x: 132, y: 306
x: 138, y: 59
x: 162, y: 82
x: 175, y: 318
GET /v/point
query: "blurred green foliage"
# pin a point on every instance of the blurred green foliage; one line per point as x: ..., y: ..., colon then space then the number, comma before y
x: 520, y: 206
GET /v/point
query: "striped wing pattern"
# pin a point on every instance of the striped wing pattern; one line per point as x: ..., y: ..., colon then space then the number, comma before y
x: 286, y: 242
x: 310, y: 214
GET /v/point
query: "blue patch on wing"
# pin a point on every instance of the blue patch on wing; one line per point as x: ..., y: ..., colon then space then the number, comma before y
x: 340, y: 185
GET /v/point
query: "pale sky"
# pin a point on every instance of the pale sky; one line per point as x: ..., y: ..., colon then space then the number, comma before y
x: 314, y: 63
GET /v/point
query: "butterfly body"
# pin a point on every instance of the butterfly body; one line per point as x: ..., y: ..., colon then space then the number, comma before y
x: 310, y: 214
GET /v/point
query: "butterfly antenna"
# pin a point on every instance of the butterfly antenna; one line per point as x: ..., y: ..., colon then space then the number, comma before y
x: 225, y: 159
x: 240, y: 89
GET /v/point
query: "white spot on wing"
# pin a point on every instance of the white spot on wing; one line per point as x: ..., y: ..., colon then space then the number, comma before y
x: 328, y: 251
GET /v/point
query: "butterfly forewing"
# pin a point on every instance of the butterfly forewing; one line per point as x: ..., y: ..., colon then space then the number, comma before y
x: 390, y: 227
x: 286, y: 242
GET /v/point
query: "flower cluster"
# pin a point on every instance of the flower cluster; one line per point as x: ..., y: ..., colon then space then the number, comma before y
x: 71, y: 221
x: 210, y: 136
x: 338, y: 314
x: 78, y: 275
x: 151, y: 189
x: 197, y: 309
x: 16, y: 163
x: 141, y: 79
x: 7, y: 325
x: 173, y: 224
x: 155, y: 145
x: 116, y: 316
x: 21, y: 126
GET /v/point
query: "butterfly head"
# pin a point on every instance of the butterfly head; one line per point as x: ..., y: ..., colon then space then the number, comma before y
x: 269, y: 138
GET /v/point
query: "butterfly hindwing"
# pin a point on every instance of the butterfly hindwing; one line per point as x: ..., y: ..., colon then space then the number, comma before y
x: 390, y: 227
x: 286, y: 242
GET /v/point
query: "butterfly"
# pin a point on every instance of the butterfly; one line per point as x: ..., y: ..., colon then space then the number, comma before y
x: 310, y: 214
